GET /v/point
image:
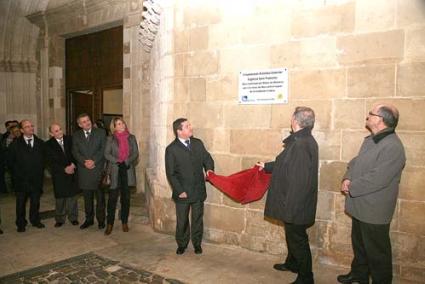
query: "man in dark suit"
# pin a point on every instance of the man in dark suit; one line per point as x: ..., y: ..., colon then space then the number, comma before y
x: 26, y: 154
x: 88, y: 145
x: 185, y: 161
x: 3, y: 137
x: 292, y: 195
x: 62, y: 168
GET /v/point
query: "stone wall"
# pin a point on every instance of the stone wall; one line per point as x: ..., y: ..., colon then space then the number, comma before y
x: 18, y: 63
x: 343, y: 56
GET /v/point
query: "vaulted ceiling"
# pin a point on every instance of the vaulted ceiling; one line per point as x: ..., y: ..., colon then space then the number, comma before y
x: 18, y: 37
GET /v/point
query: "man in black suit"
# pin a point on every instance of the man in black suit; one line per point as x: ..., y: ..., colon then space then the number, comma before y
x: 3, y: 137
x: 26, y: 154
x: 88, y: 145
x: 185, y: 161
x: 62, y: 168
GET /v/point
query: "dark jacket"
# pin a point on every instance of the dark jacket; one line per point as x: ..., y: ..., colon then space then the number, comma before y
x: 111, y: 154
x: 375, y: 176
x: 64, y: 185
x: 185, y: 169
x: 28, y: 164
x: 292, y: 195
x: 92, y: 149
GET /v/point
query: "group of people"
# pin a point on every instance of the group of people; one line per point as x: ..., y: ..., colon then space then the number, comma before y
x: 370, y: 185
x: 76, y: 164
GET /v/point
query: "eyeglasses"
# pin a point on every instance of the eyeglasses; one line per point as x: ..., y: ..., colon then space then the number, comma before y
x: 374, y: 114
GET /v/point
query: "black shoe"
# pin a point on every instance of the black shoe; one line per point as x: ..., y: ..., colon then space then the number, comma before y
x: 180, y: 250
x: 284, y: 267
x: 21, y: 229
x: 85, y: 225
x: 101, y: 226
x: 1, y: 232
x: 198, y: 250
x: 75, y: 223
x: 39, y: 225
x: 303, y: 281
x: 58, y: 224
x: 348, y: 278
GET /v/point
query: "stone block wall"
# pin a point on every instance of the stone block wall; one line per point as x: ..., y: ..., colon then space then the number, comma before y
x: 343, y: 56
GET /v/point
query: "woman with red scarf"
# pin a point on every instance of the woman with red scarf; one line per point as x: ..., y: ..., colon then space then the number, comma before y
x: 121, y: 152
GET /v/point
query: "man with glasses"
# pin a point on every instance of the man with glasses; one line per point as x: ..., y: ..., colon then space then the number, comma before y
x: 27, y: 158
x: 371, y: 186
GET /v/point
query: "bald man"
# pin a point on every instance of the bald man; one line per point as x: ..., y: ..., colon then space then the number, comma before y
x: 371, y: 185
x: 63, y: 170
x: 26, y: 155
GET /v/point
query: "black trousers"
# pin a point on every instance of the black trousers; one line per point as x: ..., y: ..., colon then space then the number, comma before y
x: 3, y: 187
x: 299, y: 253
x: 372, y: 252
x: 89, y: 205
x: 66, y: 206
x: 21, y: 201
x: 196, y: 230
x: 124, y: 191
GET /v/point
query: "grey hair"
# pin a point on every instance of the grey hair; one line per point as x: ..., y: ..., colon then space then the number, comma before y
x: 389, y: 116
x: 304, y: 116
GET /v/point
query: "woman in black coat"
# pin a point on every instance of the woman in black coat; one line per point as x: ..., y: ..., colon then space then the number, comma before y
x: 121, y: 152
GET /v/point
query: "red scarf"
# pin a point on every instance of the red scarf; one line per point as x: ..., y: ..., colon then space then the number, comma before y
x: 123, y: 148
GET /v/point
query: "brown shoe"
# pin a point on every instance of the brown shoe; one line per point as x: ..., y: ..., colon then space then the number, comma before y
x: 108, y: 230
x: 125, y: 228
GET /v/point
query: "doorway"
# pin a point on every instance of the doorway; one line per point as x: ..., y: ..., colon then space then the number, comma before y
x: 94, y: 60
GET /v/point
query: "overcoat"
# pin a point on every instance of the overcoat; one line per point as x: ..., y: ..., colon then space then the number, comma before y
x: 27, y: 163
x: 111, y: 154
x: 375, y: 175
x: 292, y: 195
x: 64, y: 185
x: 89, y: 149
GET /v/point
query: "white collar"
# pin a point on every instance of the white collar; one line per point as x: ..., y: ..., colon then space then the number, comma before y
x: 184, y: 140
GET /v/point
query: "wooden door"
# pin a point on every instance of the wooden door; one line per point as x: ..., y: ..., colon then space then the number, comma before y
x: 79, y: 101
x: 93, y: 62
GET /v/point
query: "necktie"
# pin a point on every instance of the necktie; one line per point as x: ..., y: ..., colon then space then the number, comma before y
x: 88, y: 135
x: 29, y: 143
x: 61, y: 144
x: 187, y: 142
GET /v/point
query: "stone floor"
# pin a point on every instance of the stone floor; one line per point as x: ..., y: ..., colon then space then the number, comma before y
x: 140, y: 254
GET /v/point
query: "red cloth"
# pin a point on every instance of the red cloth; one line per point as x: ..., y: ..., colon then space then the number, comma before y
x: 245, y: 186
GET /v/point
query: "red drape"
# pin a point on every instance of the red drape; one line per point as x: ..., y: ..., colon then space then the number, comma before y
x: 245, y: 186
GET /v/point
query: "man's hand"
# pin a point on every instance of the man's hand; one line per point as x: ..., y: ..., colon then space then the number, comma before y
x: 89, y: 164
x: 70, y: 169
x: 260, y: 165
x: 183, y: 195
x: 345, y: 186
